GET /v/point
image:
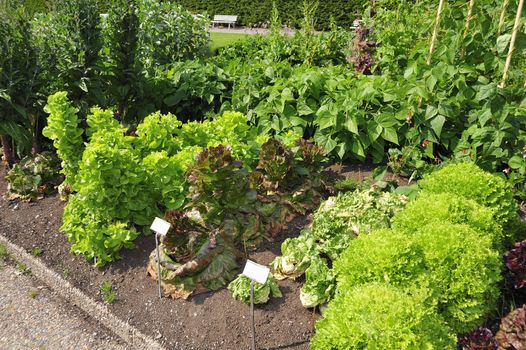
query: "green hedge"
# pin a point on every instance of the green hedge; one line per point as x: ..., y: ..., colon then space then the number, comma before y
x: 257, y: 13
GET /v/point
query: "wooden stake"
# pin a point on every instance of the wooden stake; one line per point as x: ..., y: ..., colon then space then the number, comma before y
x: 468, y: 22
x: 503, y: 16
x: 433, y: 40
x: 512, y: 43
x: 435, y: 31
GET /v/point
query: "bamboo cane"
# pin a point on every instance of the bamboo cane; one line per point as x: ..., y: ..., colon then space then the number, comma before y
x: 433, y: 39
x: 512, y: 43
x: 503, y: 16
x: 435, y: 31
x: 468, y: 22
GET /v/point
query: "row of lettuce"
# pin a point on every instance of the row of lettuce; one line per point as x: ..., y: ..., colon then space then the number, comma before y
x: 401, y: 274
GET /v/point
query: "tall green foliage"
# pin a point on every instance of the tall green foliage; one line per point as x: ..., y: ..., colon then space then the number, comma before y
x: 169, y: 33
x: 258, y: 13
x: 18, y: 83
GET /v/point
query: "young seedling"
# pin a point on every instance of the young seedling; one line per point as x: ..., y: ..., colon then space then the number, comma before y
x: 22, y: 267
x: 3, y: 252
x: 36, y: 251
x: 33, y: 293
x: 106, y: 290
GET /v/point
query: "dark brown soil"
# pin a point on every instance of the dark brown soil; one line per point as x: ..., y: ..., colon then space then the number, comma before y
x: 212, y: 320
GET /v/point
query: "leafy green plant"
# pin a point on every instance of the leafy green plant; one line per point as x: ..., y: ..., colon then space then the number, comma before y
x: 480, y: 338
x: 440, y: 258
x: 437, y: 207
x: 319, y: 286
x: 108, y: 294
x: 33, y: 177
x: 194, y: 256
x: 123, y: 182
x: 348, y: 215
x: 516, y: 263
x: 468, y: 180
x: 296, y: 256
x: 169, y: 33
x: 230, y: 208
x: 63, y: 129
x: 240, y: 289
x: 380, y: 316
x: 335, y: 224
x: 36, y: 251
x: 120, y: 31
x: 19, y: 84
x: 512, y: 329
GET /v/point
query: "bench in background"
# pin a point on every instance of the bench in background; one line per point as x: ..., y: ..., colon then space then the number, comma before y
x: 225, y: 19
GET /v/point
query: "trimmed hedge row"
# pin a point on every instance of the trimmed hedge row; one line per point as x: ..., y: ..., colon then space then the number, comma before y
x: 257, y: 13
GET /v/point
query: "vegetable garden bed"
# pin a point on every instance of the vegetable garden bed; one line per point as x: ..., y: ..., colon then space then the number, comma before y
x: 211, y: 320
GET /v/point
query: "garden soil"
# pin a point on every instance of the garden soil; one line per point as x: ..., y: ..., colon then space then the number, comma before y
x: 211, y: 320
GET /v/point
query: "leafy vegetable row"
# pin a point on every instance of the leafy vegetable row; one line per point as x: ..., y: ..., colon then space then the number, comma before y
x: 434, y: 274
x: 230, y: 208
x: 121, y: 179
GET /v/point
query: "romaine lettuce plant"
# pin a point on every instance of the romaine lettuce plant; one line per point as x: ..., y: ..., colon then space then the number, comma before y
x: 240, y: 289
x: 320, y: 283
x: 194, y: 256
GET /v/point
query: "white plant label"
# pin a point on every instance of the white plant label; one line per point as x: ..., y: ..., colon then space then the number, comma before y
x: 256, y: 272
x: 160, y: 226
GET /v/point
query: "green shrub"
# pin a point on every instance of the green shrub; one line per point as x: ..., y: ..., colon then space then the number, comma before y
x: 456, y: 209
x: 468, y: 180
x: 376, y: 316
x: 453, y: 263
x: 258, y: 13
x: 169, y: 33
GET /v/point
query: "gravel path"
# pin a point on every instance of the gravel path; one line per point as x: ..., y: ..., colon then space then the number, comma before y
x: 34, y: 317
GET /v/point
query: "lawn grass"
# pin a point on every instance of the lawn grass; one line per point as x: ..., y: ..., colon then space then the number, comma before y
x: 224, y: 39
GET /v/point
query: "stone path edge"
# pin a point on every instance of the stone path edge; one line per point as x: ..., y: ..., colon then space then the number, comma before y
x: 74, y: 296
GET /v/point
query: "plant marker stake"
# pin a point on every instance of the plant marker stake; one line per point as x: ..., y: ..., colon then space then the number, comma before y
x: 158, y: 265
x: 256, y: 273
x: 512, y: 43
x: 252, y: 314
x: 160, y: 227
